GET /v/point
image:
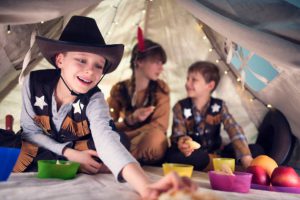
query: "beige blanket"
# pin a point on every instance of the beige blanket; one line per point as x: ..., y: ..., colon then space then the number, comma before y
x: 105, y: 187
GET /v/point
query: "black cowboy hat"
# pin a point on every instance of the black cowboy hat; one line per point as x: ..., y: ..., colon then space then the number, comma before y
x: 82, y: 34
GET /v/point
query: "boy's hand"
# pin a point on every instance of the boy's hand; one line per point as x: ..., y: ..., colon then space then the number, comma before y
x: 171, y: 182
x: 85, y: 158
x: 246, y: 161
x: 184, y: 147
x: 141, y: 114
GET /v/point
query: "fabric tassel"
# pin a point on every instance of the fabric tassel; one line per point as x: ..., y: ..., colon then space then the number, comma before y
x: 28, y: 152
x: 43, y: 122
x: 77, y: 128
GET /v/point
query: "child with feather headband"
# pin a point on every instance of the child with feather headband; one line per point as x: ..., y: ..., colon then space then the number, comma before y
x: 144, y: 101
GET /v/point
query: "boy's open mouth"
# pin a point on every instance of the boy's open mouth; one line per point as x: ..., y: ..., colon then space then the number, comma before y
x: 85, y: 81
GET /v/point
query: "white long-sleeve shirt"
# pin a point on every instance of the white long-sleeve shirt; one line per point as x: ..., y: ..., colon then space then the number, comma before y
x: 107, y: 142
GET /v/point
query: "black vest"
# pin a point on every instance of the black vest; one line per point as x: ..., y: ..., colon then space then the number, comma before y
x: 207, y: 132
x: 75, y: 126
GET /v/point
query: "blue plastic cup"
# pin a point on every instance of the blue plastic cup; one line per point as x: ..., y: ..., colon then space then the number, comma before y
x: 8, y: 158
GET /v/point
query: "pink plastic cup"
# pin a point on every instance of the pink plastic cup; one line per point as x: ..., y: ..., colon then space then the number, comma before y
x: 239, y: 182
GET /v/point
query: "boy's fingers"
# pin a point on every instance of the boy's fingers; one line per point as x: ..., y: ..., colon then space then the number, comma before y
x: 95, y: 164
x: 90, y: 169
x: 189, y: 183
x: 92, y: 153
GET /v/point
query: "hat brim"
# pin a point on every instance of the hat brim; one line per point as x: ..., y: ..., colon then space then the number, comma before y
x: 50, y: 48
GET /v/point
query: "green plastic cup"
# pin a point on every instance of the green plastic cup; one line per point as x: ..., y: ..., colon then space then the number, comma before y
x: 60, y: 169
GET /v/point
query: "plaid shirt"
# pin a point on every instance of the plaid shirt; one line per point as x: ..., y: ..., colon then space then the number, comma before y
x: 185, y: 120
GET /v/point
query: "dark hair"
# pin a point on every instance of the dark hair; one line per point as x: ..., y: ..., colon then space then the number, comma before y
x: 208, y: 70
x: 152, y: 50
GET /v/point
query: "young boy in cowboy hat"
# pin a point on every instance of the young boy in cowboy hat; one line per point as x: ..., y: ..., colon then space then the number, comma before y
x: 65, y: 115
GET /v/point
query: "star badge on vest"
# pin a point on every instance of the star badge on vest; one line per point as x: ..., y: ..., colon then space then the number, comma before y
x: 215, y: 108
x: 77, y: 107
x: 40, y: 102
x: 187, y: 112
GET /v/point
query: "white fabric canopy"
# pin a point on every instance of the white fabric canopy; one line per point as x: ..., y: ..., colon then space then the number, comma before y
x: 269, y: 28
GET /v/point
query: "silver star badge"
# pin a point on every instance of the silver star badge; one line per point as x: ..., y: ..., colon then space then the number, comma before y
x: 77, y: 107
x: 215, y: 108
x: 40, y: 102
x: 187, y: 112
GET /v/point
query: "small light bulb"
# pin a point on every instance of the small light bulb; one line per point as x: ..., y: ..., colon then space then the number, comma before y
x: 269, y: 105
x: 8, y: 29
x: 238, y: 79
x: 204, y: 37
x: 217, y: 61
x: 111, y: 110
x: 120, y: 119
x: 42, y: 22
x: 225, y: 72
x: 210, y: 50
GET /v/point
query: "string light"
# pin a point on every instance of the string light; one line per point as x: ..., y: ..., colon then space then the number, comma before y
x: 8, y: 29
x: 120, y: 119
x: 251, y: 99
x: 42, y: 22
x: 113, y: 21
x: 143, y: 15
x: 230, y: 70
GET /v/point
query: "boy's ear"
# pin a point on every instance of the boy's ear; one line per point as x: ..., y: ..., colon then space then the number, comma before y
x: 211, y: 85
x: 58, y: 60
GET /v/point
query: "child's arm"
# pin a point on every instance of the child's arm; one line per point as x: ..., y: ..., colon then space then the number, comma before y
x: 179, y: 128
x: 237, y: 137
x: 119, y: 160
x: 137, y: 178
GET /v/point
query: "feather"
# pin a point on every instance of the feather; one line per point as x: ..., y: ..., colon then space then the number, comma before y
x: 140, y: 37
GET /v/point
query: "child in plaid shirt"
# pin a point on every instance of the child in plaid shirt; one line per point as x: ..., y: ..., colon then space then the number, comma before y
x: 199, y: 117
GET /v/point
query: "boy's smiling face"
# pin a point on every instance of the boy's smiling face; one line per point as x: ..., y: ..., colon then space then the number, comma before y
x: 80, y: 70
x: 196, y: 86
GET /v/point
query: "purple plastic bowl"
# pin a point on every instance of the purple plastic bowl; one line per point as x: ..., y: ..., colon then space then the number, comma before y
x: 8, y: 158
x: 240, y: 182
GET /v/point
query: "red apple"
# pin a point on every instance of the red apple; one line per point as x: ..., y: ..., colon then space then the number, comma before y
x: 260, y: 175
x: 285, y: 177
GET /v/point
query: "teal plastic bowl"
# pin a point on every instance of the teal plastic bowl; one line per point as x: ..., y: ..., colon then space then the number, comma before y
x: 59, y: 169
x: 8, y: 158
